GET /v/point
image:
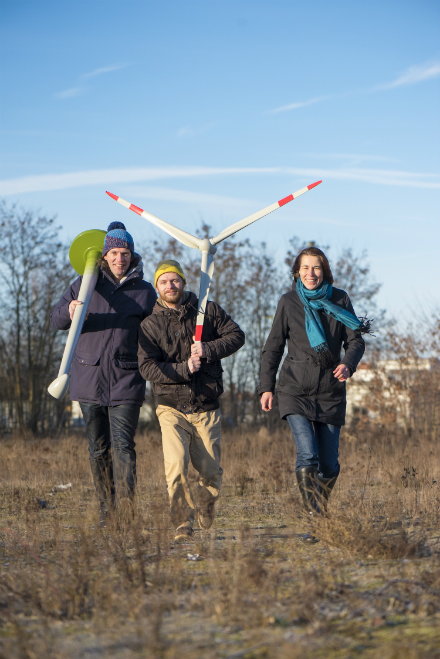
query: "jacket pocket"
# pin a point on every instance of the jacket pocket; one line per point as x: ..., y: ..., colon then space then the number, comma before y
x: 209, y: 382
x: 329, y: 383
x: 294, y: 374
x: 126, y: 364
x: 86, y: 359
x: 214, y: 369
x: 85, y: 377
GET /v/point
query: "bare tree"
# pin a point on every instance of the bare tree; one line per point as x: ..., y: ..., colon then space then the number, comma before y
x: 34, y: 272
x: 264, y: 285
x: 352, y: 273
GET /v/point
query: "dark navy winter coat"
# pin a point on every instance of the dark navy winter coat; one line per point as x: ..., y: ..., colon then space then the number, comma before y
x: 105, y: 365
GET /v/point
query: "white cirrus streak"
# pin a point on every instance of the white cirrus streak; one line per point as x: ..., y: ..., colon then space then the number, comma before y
x: 298, y: 104
x: 187, y: 197
x: 41, y: 183
x: 104, y: 177
x: 413, y: 75
x: 70, y: 93
x: 104, y: 69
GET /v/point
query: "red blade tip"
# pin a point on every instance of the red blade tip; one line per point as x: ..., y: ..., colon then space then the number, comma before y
x: 113, y: 196
x: 313, y: 185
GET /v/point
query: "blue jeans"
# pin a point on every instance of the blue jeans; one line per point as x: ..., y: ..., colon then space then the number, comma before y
x: 317, y: 444
x: 111, y: 431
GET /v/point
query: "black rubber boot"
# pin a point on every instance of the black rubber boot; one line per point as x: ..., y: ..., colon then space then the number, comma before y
x: 326, y: 486
x: 307, y: 478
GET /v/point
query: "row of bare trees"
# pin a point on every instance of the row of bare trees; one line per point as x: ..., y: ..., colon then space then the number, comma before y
x: 34, y: 272
x: 248, y: 282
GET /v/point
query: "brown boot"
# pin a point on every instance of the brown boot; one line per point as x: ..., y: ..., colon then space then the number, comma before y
x: 183, y: 533
x: 205, y: 508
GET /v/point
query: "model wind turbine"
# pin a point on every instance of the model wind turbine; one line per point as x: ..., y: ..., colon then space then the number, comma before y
x: 84, y: 253
x: 208, y: 245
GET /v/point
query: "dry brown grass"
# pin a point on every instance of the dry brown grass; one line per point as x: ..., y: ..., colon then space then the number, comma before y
x: 370, y: 588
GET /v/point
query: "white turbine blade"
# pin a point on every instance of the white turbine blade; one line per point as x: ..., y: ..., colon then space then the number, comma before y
x: 206, y: 274
x: 180, y: 235
x: 257, y: 216
x: 58, y: 387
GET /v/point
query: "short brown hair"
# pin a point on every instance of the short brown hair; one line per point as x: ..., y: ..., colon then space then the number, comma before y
x: 313, y: 251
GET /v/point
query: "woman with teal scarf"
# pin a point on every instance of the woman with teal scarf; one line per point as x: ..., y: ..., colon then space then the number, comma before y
x: 316, y: 320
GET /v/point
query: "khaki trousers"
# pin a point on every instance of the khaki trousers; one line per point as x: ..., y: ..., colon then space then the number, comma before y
x: 194, y: 437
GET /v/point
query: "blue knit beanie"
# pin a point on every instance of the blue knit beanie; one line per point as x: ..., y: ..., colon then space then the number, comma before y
x: 117, y: 236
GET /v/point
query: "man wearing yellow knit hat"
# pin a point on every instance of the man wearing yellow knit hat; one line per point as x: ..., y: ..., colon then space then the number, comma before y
x: 187, y: 383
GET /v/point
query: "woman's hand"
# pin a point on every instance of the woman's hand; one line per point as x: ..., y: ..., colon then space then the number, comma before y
x: 342, y: 372
x: 267, y: 401
x: 72, y: 307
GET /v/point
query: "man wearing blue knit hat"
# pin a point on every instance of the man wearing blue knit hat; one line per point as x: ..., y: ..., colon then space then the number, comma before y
x: 105, y: 378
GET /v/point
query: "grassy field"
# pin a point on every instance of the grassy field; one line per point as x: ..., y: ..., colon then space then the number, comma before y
x: 369, y: 588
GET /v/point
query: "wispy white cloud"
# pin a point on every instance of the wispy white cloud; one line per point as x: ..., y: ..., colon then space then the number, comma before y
x: 183, y: 196
x: 377, y: 176
x: 318, y: 219
x: 353, y: 157
x: 70, y: 93
x: 413, y: 75
x: 107, y: 177
x: 104, y: 69
x: 187, y: 131
x: 299, y: 104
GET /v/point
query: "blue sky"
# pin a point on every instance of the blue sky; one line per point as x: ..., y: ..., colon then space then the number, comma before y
x: 212, y: 110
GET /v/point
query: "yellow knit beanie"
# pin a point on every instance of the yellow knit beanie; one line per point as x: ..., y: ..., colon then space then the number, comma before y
x: 168, y: 266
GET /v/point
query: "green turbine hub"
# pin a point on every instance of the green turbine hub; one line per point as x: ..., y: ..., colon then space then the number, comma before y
x: 86, y: 249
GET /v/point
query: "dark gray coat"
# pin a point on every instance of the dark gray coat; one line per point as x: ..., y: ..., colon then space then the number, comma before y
x: 303, y: 387
x: 165, y: 346
x: 105, y: 366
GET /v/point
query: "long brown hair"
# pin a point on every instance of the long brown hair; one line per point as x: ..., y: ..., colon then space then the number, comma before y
x: 313, y: 251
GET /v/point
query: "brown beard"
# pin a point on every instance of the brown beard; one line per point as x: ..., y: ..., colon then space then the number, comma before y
x: 173, y: 297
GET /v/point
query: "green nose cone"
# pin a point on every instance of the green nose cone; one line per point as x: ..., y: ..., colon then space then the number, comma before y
x: 86, y: 244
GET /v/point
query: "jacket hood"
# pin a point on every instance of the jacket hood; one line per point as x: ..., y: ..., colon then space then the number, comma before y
x: 136, y: 265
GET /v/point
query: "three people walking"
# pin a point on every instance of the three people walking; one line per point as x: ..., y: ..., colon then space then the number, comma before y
x: 314, y: 319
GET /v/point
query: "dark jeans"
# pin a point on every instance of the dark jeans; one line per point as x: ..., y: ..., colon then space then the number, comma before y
x: 317, y: 444
x: 111, y: 431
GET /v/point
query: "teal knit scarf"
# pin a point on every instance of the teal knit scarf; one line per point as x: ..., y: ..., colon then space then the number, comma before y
x: 320, y: 299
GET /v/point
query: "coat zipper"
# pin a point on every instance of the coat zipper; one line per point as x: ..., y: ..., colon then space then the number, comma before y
x: 113, y: 339
x: 192, y: 397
